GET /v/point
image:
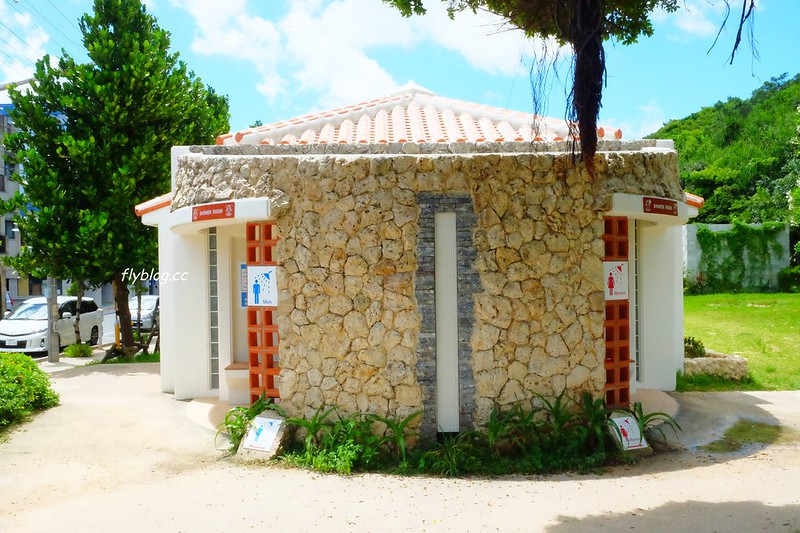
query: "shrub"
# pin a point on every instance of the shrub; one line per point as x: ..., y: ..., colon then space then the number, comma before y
x: 24, y: 389
x: 694, y: 286
x: 545, y: 435
x: 789, y: 279
x: 340, y: 446
x: 78, y: 350
x: 693, y: 347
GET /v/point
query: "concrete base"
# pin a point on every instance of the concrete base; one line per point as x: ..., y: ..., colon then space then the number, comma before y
x: 655, y: 401
x: 208, y: 412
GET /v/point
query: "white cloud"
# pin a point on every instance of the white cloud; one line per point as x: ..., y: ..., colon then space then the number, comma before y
x: 329, y: 47
x: 650, y: 119
x: 18, y: 54
x: 695, y: 18
x: 229, y: 30
x: 326, y: 48
x: 486, y: 41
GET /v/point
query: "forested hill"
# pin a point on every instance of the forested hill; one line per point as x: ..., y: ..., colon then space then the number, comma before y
x: 742, y: 156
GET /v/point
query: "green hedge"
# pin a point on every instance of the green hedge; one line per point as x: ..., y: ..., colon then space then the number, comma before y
x: 24, y: 389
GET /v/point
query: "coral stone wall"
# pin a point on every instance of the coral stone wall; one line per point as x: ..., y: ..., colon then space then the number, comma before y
x: 349, y: 224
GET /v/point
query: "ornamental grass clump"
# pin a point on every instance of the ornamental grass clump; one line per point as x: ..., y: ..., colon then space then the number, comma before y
x: 24, y: 389
x: 78, y: 350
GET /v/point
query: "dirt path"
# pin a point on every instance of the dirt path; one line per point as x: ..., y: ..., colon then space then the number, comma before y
x: 118, y: 455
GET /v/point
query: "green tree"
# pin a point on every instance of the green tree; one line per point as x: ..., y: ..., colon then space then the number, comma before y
x: 738, y: 154
x: 582, y: 24
x: 94, y: 139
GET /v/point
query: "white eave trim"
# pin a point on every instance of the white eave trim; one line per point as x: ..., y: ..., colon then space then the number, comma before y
x: 246, y: 210
x: 632, y: 206
x: 181, y: 220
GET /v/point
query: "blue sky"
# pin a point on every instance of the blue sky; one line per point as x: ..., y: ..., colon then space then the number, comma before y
x: 279, y: 59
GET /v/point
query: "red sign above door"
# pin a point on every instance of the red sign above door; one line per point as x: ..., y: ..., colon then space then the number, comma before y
x: 213, y: 211
x: 660, y: 206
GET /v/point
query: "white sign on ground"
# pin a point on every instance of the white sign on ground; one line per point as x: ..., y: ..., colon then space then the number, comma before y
x: 616, y: 280
x: 262, y: 285
x: 262, y: 433
x: 626, y: 433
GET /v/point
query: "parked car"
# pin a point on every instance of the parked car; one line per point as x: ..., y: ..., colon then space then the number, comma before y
x: 25, y: 328
x: 149, y: 311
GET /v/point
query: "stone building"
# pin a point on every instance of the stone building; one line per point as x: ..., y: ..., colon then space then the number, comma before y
x: 418, y: 252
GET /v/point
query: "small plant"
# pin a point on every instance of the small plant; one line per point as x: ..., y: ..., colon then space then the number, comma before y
x: 694, y: 286
x: 595, y: 421
x: 238, y: 420
x: 340, y: 459
x: 512, y: 431
x: 453, y: 456
x: 315, y: 427
x: 353, y: 433
x: 693, y: 347
x: 651, y: 423
x: 78, y: 350
x: 398, y: 433
x: 24, y: 389
x: 338, y: 446
x: 560, y: 419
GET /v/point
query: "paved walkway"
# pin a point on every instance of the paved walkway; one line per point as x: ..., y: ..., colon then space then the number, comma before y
x: 119, y: 455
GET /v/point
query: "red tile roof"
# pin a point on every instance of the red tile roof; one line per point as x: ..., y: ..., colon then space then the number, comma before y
x: 413, y: 114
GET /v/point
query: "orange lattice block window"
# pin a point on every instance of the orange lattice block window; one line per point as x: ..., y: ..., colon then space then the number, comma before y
x: 615, y: 238
x: 617, y: 321
x: 260, y: 243
x: 262, y: 333
x: 263, y: 341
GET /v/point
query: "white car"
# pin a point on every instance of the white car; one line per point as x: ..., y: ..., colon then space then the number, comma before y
x: 25, y: 328
x: 149, y: 311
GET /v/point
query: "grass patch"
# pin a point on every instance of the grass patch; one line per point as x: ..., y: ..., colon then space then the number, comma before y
x: 707, y: 382
x: 763, y: 328
x: 742, y: 433
x: 154, y: 357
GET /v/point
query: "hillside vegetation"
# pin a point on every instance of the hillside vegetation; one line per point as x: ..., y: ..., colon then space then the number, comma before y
x: 743, y: 156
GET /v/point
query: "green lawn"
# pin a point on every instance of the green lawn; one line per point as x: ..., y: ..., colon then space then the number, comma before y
x: 763, y: 328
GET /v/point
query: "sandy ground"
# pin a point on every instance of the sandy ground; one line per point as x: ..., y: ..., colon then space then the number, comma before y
x: 118, y: 455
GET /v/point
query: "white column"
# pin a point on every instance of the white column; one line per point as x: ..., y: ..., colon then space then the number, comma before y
x: 447, y: 397
x: 661, y: 301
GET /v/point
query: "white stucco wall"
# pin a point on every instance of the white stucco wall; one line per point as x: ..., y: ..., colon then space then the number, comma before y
x: 185, y: 331
x: 661, y: 302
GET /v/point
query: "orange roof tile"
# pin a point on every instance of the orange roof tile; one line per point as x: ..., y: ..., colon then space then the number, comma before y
x: 415, y: 115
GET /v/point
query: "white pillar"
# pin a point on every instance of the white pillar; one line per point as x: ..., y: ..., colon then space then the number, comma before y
x: 447, y: 397
x: 661, y: 306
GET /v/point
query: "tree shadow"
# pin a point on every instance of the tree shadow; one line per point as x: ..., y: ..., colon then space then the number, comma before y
x: 689, y: 516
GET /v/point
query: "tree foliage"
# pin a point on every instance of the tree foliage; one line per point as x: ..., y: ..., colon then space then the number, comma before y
x: 582, y: 24
x: 95, y: 139
x: 741, y: 155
